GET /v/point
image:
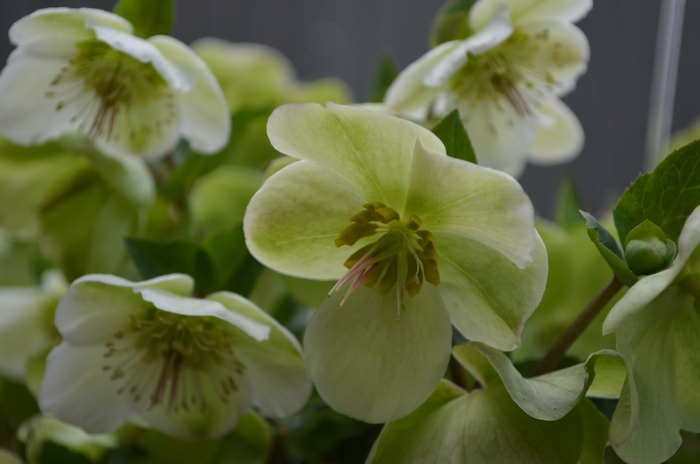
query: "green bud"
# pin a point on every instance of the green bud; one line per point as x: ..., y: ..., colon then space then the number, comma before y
x: 647, y: 250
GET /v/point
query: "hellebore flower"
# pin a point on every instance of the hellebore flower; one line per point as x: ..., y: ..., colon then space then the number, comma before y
x: 657, y: 324
x: 189, y: 367
x: 26, y: 323
x: 83, y: 69
x: 430, y: 240
x: 505, y: 79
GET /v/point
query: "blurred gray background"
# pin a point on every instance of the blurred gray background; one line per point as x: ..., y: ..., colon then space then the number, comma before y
x: 345, y: 38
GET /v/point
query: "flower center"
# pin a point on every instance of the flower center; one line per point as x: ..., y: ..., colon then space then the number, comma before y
x: 116, y: 82
x: 402, y: 258
x: 508, y: 70
x: 181, y: 358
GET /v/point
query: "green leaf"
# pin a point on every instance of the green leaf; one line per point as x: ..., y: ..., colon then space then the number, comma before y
x: 666, y: 196
x: 453, y: 134
x: 227, y: 251
x: 610, y: 249
x: 568, y: 204
x: 157, y: 258
x: 149, y: 17
x: 451, y: 22
x: 384, y: 75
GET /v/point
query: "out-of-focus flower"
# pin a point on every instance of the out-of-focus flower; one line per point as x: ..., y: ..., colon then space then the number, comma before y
x: 505, y: 79
x: 26, y: 323
x: 189, y: 367
x: 416, y: 239
x: 83, y: 69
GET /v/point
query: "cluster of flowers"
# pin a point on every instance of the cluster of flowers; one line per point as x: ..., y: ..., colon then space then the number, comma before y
x: 416, y: 243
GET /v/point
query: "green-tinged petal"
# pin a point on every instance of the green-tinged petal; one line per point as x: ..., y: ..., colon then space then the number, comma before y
x: 559, y: 136
x: 96, y: 306
x: 546, y: 397
x: 369, y: 364
x: 484, y: 426
x: 292, y: 222
x: 408, y: 92
x: 275, y: 368
x: 487, y: 296
x: 530, y: 10
x: 310, y: 293
x: 8, y: 458
x: 371, y: 151
x: 218, y: 200
x: 66, y: 25
x: 202, y: 111
x: 473, y: 202
x: 26, y: 186
x: 655, y: 342
x: 650, y: 287
x: 319, y: 91
x: 77, y: 391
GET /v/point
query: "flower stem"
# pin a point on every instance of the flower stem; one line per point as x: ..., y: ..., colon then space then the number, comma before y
x: 562, y: 345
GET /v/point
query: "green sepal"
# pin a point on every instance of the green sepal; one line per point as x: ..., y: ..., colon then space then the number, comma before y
x: 384, y: 75
x: 568, y: 204
x: 610, y: 249
x: 647, y: 250
x: 455, y: 138
x: 451, y: 22
x: 149, y: 17
x: 665, y: 196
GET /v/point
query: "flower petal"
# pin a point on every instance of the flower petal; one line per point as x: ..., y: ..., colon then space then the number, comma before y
x: 292, y: 222
x: 648, y: 288
x: 408, y: 92
x: 275, y: 368
x: 530, y: 10
x: 371, y: 151
x: 96, y: 306
x: 76, y: 390
x: 498, y: 29
x: 487, y: 296
x: 176, y: 304
x: 204, y: 116
x: 367, y: 364
x: 473, y: 202
x: 40, y: 31
x: 559, y: 136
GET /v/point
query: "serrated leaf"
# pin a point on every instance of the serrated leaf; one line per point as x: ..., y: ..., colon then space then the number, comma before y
x: 157, y: 258
x: 665, y: 196
x: 568, y: 204
x: 610, y: 249
x: 384, y: 75
x: 451, y: 22
x: 453, y: 134
x: 149, y: 17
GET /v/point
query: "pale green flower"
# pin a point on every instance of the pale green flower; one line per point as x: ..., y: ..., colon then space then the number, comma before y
x: 505, y: 79
x: 657, y: 324
x: 188, y: 367
x: 429, y: 241
x: 26, y: 323
x: 83, y: 69
x: 8, y: 458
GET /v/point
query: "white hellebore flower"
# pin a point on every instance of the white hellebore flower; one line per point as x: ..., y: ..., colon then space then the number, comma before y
x: 505, y: 79
x: 26, y: 323
x: 189, y: 367
x: 83, y: 69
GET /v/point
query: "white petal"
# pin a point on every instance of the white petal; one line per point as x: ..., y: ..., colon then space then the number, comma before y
x: 366, y: 364
x: 559, y: 136
x: 64, y: 25
x: 76, y: 390
x: 528, y: 10
x: 498, y: 29
x: 29, y: 114
x: 145, y: 52
x: 279, y: 382
x: 408, y: 92
x: 176, y: 304
x: 203, y: 113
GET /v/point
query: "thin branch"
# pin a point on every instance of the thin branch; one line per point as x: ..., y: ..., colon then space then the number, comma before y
x: 567, y: 339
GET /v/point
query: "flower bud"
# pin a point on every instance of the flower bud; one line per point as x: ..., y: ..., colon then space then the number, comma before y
x: 647, y: 250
